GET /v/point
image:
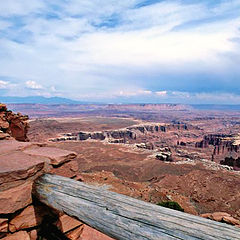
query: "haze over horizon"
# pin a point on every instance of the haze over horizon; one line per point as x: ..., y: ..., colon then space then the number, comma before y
x: 121, y: 51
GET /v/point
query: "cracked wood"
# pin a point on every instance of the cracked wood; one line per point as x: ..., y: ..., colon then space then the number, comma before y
x: 123, y: 217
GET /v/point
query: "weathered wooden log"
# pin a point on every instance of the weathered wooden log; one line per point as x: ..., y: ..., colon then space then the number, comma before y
x: 126, y: 218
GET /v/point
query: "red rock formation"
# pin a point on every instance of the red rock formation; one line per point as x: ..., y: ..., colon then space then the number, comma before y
x: 13, y: 125
x: 22, y: 218
x: 226, y: 149
x: 123, y: 135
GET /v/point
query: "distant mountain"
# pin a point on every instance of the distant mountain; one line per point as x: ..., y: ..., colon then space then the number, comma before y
x: 39, y: 100
x: 219, y: 107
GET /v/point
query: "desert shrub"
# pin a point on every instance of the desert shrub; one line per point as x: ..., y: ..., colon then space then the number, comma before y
x: 172, y: 205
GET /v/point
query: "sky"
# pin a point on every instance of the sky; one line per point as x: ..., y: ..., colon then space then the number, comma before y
x: 175, y: 51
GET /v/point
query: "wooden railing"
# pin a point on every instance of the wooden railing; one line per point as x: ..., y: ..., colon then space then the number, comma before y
x: 123, y: 217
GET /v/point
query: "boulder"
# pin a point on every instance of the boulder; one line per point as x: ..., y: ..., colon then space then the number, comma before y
x: 55, y: 155
x: 16, y: 167
x: 15, y: 198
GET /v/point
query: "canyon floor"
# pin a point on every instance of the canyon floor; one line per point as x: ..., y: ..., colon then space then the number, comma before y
x: 154, y: 153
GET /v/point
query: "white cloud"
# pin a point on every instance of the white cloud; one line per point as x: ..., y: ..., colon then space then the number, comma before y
x: 3, y: 84
x: 33, y: 85
x: 53, y: 89
x: 131, y: 93
x: 77, y: 52
x: 23, y: 7
x: 161, y: 93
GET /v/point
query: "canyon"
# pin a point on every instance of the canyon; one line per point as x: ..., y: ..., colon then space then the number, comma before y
x: 155, y: 153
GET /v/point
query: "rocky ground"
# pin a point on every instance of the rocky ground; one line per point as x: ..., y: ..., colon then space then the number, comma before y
x: 21, y: 216
x: 174, y: 159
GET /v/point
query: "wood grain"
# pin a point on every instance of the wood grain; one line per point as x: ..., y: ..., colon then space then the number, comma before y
x: 125, y: 218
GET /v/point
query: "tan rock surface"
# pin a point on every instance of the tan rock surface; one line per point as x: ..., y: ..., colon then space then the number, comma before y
x: 66, y: 223
x: 222, y: 217
x: 7, y: 146
x: 15, y: 198
x: 17, y: 166
x: 30, y: 217
x: 231, y: 220
x: 22, y: 235
x: 92, y: 234
x: 56, y: 156
x: 218, y: 216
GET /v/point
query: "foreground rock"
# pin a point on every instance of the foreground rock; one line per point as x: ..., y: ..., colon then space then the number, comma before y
x: 31, y: 216
x: 15, y: 198
x: 22, y: 235
x: 66, y: 223
x: 20, y: 164
x: 92, y: 234
x: 56, y: 156
x: 222, y: 217
x: 14, y: 125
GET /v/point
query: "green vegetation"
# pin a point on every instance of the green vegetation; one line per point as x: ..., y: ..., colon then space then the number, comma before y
x: 172, y: 205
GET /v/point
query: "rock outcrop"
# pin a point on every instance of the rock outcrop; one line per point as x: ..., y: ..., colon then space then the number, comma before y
x: 22, y: 217
x: 164, y: 154
x: 125, y: 134
x: 226, y: 149
x: 13, y: 125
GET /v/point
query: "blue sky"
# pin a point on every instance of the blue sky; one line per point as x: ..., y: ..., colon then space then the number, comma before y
x: 121, y: 51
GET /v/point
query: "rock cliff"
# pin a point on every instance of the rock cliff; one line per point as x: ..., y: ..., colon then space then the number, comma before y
x: 226, y: 148
x: 124, y: 134
x: 13, y: 125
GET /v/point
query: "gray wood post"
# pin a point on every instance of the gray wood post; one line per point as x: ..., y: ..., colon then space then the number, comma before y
x: 123, y: 217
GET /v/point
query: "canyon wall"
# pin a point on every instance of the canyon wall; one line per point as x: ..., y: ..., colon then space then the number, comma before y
x: 125, y: 134
x: 226, y: 148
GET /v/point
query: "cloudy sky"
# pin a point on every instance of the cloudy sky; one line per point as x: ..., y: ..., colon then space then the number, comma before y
x: 184, y: 51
